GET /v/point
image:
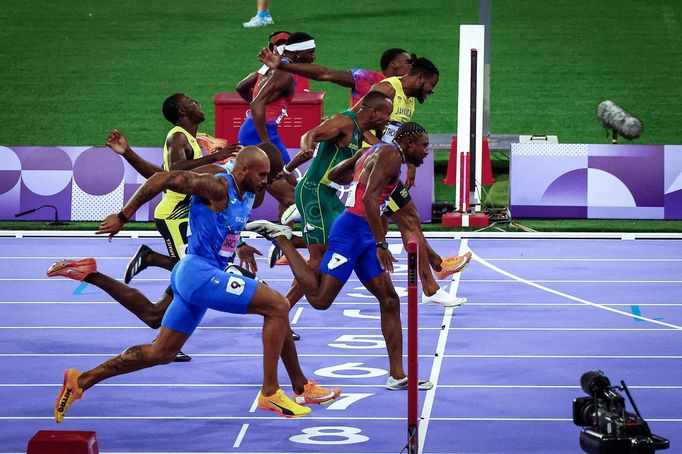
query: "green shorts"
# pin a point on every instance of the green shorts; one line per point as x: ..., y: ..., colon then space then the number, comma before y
x: 319, y: 207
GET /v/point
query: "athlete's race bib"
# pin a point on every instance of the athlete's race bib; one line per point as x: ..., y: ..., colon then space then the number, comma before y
x: 389, y: 133
x: 350, y: 199
x: 229, y: 245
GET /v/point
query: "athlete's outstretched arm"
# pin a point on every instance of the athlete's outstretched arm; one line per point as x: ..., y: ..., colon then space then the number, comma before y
x: 245, y: 86
x: 342, y: 173
x: 118, y: 142
x: 332, y: 129
x: 277, y: 85
x: 211, y: 188
x: 308, y: 70
x: 180, y: 154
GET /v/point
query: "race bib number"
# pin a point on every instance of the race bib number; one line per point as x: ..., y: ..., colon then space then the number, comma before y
x: 235, y: 286
x: 229, y: 245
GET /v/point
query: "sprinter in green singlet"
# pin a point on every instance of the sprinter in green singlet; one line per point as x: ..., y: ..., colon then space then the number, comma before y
x: 339, y: 138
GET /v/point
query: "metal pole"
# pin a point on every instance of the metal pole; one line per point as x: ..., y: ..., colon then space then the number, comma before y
x: 412, y: 357
x: 485, y: 17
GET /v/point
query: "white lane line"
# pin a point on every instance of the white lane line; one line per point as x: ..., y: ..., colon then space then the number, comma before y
x: 396, y: 279
x: 255, y: 385
x: 279, y: 418
x: 348, y: 355
x: 397, y: 249
x: 571, y: 297
x: 578, y: 281
x: 212, y: 328
x: 240, y: 436
x: 202, y: 418
x: 360, y: 328
x: 579, y: 259
x: 297, y: 314
x: 438, y: 360
x: 336, y: 303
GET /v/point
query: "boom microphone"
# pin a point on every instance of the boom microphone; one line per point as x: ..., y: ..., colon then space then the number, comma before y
x: 613, y: 117
x: 24, y: 213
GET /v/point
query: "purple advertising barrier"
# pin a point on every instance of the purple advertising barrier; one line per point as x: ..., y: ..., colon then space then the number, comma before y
x: 83, y: 183
x: 596, y: 181
x: 88, y: 183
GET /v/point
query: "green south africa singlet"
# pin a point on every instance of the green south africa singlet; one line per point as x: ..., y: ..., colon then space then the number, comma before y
x: 315, y: 199
x: 328, y: 154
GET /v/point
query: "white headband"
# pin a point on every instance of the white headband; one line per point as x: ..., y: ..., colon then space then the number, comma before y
x: 305, y: 45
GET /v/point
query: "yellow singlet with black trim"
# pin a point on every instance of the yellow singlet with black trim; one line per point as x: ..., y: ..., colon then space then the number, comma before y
x: 403, y: 109
x: 174, y: 205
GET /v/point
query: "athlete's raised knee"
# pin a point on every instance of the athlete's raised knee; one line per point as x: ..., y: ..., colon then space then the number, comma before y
x: 320, y: 305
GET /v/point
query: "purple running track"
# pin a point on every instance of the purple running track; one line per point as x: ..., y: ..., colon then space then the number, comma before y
x: 507, y: 364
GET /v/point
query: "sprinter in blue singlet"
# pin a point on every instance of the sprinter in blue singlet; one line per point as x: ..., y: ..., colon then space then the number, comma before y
x: 218, y: 212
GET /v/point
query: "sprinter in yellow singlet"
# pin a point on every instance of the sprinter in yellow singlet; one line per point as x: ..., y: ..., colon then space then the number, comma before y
x: 405, y: 91
x: 180, y: 152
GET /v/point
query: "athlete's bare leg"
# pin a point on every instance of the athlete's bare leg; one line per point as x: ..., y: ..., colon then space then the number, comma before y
x: 132, y: 299
x: 159, y: 260
x: 317, y: 251
x: 282, y: 191
x: 320, y: 289
x: 391, y: 327
x: 409, y: 224
x: 162, y: 351
x: 275, y: 311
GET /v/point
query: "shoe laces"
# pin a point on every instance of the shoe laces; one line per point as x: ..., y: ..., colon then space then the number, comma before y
x: 313, y: 389
x: 452, y: 262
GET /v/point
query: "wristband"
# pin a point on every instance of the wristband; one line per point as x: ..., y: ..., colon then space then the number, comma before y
x: 122, y: 217
x: 240, y: 243
x: 285, y: 171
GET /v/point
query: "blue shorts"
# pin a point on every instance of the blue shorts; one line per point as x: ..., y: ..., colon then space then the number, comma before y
x: 249, y: 136
x: 352, y: 247
x: 198, y: 285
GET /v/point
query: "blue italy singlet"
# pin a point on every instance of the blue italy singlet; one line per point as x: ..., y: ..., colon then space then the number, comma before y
x: 199, y: 281
x: 212, y: 235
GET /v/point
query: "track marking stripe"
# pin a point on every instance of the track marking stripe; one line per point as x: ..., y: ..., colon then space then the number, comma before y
x: 438, y: 360
x: 571, y: 297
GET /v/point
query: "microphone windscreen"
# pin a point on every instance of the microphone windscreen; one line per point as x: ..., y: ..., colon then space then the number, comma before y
x: 612, y: 116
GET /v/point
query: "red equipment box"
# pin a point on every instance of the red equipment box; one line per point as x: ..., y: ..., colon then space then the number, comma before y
x: 305, y: 112
x: 63, y: 442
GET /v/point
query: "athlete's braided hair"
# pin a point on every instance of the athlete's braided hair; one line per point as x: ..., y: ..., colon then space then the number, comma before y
x: 423, y: 66
x: 409, y: 129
